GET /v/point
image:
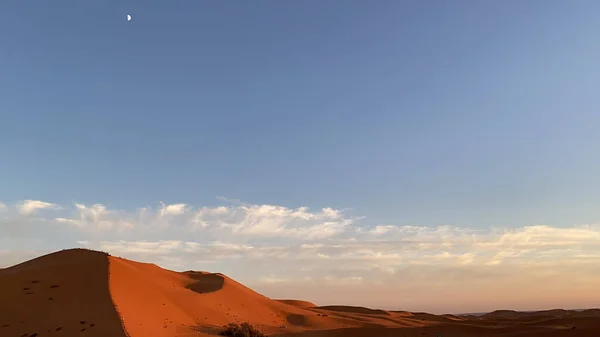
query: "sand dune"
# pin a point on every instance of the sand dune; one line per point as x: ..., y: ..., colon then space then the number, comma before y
x: 86, y: 293
x: 500, y: 314
x: 352, y: 309
x: 587, y: 313
x: 537, y: 315
x: 158, y: 302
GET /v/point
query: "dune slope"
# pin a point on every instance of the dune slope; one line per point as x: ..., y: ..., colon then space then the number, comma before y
x: 64, y: 292
x: 159, y: 302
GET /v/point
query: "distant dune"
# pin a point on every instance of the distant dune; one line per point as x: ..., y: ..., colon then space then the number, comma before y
x: 587, y: 313
x: 298, y: 303
x: 531, y: 315
x: 86, y: 293
x: 356, y: 310
x: 500, y: 314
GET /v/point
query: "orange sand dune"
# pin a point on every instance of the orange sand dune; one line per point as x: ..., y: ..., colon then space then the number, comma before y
x: 158, y: 302
x: 86, y: 293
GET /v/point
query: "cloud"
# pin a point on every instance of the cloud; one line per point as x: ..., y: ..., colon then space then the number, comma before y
x: 175, y: 209
x: 145, y: 247
x: 31, y: 206
x: 264, y: 221
x: 96, y: 218
x: 323, y: 254
x: 271, y: 280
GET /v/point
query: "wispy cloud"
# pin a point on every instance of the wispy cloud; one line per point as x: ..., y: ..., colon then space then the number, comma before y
x: 28, y: 207
x: 266, y: 221
x: 320, y: 253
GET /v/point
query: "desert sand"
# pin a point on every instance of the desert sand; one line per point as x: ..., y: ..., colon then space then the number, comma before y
x: 87, y: 293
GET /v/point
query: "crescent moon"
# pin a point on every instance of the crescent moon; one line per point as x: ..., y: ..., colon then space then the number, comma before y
x: 128, y: 17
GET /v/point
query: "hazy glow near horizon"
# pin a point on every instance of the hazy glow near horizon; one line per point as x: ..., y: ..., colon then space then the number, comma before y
x: 328, y: 256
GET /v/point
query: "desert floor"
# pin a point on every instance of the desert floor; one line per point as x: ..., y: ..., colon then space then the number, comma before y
x: 87, y: 293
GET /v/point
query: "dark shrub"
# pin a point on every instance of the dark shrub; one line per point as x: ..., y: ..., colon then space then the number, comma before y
x: 241, y: 330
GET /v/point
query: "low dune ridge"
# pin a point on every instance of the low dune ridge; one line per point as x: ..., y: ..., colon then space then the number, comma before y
x: 536, y: 315
x: 437, y: 318
x: 500, y: 314
x: 453, y: 317
x: 298, y: 303
x: 353, y: 309
x: 587, y: 313
x: 82, y: 292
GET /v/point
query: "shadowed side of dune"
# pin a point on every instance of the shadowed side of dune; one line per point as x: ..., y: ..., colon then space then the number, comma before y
x: 500, y: 314
x: 64, y: 293
x: 298, y: 303
x: 423, y: 316
x: 352, y: 309
x: 295, y: 319
x: 206, y: 283
x: 193, y: 274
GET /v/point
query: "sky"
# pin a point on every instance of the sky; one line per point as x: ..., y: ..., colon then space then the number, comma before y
x: 414, y: 155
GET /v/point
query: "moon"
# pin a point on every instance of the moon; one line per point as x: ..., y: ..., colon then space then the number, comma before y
x: 128, y: 17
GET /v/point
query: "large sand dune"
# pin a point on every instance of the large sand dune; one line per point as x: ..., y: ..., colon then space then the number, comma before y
x: 86, y: 293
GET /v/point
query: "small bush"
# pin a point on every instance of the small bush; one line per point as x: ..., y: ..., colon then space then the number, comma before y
x: 241, y: 330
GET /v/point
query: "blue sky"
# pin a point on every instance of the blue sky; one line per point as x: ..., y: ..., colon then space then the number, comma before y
x: 407, y: 113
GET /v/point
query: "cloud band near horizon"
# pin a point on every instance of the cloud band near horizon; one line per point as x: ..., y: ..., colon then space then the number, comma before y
x: 321, y: 255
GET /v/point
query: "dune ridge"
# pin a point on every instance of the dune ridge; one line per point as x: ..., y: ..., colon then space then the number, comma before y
x: 80, y: 292
x: 299, y: 303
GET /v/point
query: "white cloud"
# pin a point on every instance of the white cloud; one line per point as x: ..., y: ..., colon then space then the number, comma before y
x: 96, y: 218
x: 266, y: 221
x: 146, y: 247
x: 231, y: 246
x: 343, y: 280
x: 269, y: 220
x: 422, y: 249
x: 31, y: 206
x: 270, y: 280
x: 311, y: 246
x: 175, y: 209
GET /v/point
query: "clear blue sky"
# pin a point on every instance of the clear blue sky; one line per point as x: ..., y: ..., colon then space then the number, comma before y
x: 477, y: 113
